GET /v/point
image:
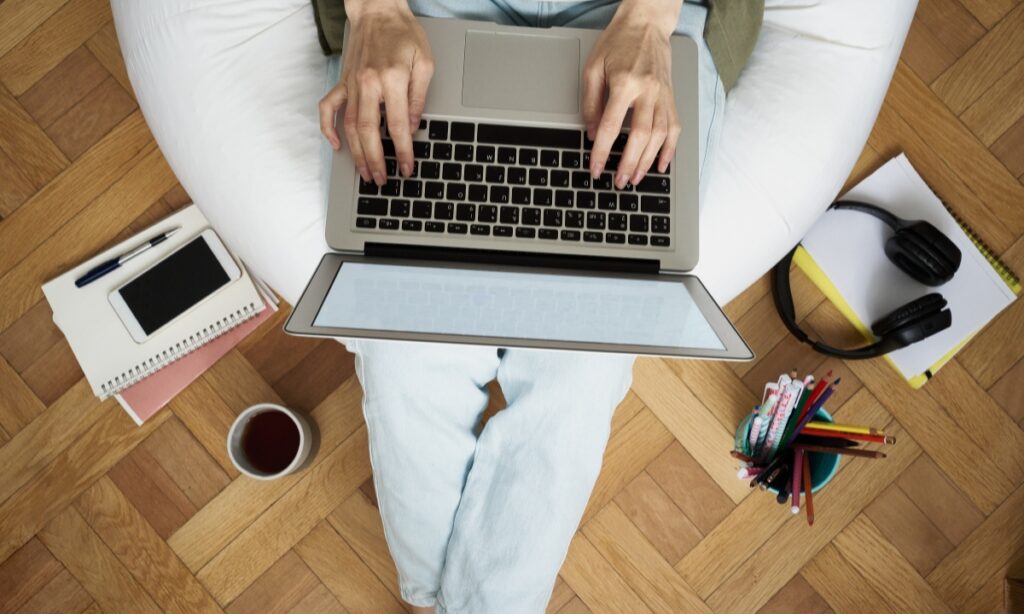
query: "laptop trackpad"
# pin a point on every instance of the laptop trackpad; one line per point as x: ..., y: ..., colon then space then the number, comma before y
x: 521, y: 72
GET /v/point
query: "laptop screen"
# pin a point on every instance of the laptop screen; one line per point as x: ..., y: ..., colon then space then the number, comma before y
x: 517, y: 305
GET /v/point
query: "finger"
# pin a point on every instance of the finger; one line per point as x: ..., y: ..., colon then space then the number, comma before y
x: 639, y: 135
x: 352, y: 136
x: 593, y: 98
x: 668, y: 150
x: 419, y: 81
x: 396, y: 88
x: 368, y: 127
x: 608, y: 128
x: 658, y: 134
x: 329, y: 106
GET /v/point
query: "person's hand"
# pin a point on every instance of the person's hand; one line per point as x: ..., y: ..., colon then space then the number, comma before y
x: 387, y: 59
x: 632, y: 61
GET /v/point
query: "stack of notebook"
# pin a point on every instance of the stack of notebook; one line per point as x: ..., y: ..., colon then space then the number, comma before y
x: 844, y: 255
x: 146, y: 376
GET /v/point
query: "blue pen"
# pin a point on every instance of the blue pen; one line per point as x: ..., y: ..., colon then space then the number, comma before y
x: 105, y: 267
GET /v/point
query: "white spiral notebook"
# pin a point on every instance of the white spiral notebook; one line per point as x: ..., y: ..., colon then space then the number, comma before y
x: 109, y: 357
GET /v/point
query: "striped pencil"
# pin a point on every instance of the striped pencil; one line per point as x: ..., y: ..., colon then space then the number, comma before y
x: 798, y: 472
x: 844, y: 428
x: 844, y: 451
x: 808, y: 501
x: 889, y: 439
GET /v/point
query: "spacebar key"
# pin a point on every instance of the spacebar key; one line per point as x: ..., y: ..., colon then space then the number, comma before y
x: 525, y: 135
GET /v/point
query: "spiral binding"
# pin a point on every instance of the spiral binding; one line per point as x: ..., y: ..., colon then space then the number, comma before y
x: 178, y: 350
x: 1001, y: 269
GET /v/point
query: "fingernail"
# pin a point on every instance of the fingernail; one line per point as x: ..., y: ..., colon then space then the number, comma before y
x: 378, y: 177
x: 406, y: 169
x: 621, y: 181
x: 637, y: 177
x: 364, y: 174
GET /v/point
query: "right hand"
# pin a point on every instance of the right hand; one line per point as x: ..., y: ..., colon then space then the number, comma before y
x: 387, y: 59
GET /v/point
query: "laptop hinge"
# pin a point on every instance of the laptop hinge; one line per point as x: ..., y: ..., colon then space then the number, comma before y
x: 510, y: 258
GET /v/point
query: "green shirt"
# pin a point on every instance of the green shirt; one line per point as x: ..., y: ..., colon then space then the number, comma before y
x: 731, y: 32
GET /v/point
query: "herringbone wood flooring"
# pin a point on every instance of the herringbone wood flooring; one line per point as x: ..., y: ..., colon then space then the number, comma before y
x: 98, y: 515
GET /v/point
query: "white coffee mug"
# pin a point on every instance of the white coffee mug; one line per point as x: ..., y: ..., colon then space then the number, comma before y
x: 237, y: 451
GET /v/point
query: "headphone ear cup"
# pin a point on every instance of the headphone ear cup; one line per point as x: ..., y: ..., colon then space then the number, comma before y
x: 913, y: 311
x: 924, y: 253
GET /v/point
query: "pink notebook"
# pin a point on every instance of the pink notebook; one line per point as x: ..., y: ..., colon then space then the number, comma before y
x: 145, y: 398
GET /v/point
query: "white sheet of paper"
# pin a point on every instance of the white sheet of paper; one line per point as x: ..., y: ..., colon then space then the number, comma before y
x: 849, y: 246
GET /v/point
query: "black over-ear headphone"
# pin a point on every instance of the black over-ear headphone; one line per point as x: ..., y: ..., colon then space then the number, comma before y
x: 919, y: 250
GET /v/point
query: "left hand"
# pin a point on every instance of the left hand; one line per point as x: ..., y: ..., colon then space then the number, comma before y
x: 632, y: 61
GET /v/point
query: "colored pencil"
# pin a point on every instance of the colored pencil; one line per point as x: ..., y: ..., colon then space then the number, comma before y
x: 814, y: 440
x: 845, y: 451
x: 748, y: 472
x: 808, y: 501
x: 798, y: 472
x: 856, y: 436
x: 813, y: 411
x: 845, y: 428
x: 741, y: 456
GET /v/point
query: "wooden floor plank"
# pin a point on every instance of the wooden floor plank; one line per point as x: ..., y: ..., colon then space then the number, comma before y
x: 62, y: 88
x: 796, y: 596
x: 659, y: 519
x: 1008, y: 391
x: 208, y: 418
x: 596, y: 582
x: 142, y: 552
x: 998, y: 108
x: 691, y: 488
x: 193, y: 470
x: 15, y: 186
x: 358, y: 522
x: 989, y: 12
x: 841, y: 585
x: 912, y: 533
x: 25, y: 573
x: 54, y: 373
x: 91, y: 118
x: 61, y: 595
x: 941, y: 501
x: 25, y: 341
x: 1009, y: 148
x: 32, y: 151
x: 22, y: 17
x: 105, y: 47
x: 20, y: 405
x: 279, y: 589
x: 149, y: 489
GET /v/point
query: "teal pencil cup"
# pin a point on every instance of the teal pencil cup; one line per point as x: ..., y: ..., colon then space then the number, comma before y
x: 823, y: 466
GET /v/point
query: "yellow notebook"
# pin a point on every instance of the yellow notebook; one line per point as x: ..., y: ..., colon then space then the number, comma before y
x: 843, y: 255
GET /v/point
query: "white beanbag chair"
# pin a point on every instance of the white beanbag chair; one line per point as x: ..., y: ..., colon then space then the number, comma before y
x: 230, y: 91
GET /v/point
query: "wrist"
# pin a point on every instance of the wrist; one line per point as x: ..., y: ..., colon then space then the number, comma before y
x: 357, y: 10
x: 663, y: 15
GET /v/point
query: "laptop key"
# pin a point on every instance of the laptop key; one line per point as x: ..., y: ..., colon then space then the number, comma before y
x: 593, y: 237
x: 420, y: 149
x: 617, y: 221
x: 452, y: 171
x: 585, y: 200
x: 553, y: 217
x: 542, y: 197
x: 444, y: 211
x: 399, y: 208
x: 429, y: 170
x: 638, y: 239
x: 433, y: 190
x: 510, y: 215
x: 516, y: 175
x: 570, y: 235
x: 595, y: 220
x: 574, y: 219
x: 487, y: 213
x: 604, y: 182
x: 547, y: 233
x: 477, y: 193
x: 660, y: 224
x: 654, y: 204
x: 366, y: 222
x: 531, y: 216
x: 619, y: 144
x: 480, y: 229
x: 528, y: 156
x: 615, y: 237
x: 660, y: 241
x: 581, y: 180
x: 507, y: 155
x: 391, y: 187
x: 388, y: 224
x: 465, y: 212
x: 438, y: 130
x: 612, y: 163
x: 456, y: 228
x: 538, y: 176
x: 433, y: 227
x: 564, y: 198
x: 525, y: 233
x: 412, y: 188
x: 495, y: 174
x: 389, y: 147
x: 372, y: 206
x: 570, y: 159
x: 484, y: 153
x: 462, y: 131
x: 638, y: 222
x: 528, y: 136
x: 464, y: 153
x: 499, y: 194
x: 503, y: 231
x: 367, y: 187
x: 521, y: 196
x: 456, y: 191
x: 606, y: 201
x: 628, y: 202
x: 560, y: 179
x: 412, y: 225
x: 473, y: 172
x: 652, y: 184
x: 421, y: 210
x: 442, y: 151
x: 548, y: 157
x: 390, y: 167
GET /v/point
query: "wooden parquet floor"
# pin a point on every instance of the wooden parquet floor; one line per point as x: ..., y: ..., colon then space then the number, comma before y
x: 99, y: 515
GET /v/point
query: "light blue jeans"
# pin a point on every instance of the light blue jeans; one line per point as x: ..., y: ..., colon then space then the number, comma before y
x: 480, y: 522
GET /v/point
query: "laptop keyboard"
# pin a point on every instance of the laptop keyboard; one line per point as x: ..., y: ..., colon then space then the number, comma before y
x: 515, y: 182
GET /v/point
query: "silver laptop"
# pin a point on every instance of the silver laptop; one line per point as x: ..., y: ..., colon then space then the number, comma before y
x: 501, y: 237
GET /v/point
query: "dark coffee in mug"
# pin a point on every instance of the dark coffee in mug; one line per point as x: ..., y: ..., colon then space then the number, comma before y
x: 270, y: 441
